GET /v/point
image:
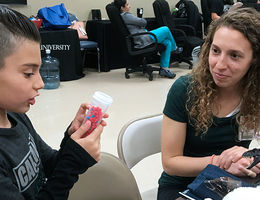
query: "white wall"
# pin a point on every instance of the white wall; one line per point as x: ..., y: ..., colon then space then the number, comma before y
x: 82, y: 8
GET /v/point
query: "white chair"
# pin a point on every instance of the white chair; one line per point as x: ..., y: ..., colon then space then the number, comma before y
x: 139, y: 139
x: 109, y: 179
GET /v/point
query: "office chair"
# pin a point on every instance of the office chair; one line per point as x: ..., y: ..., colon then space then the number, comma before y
x: 90, y: 47
x: 206, y: 14
x: 184, y: 35
x: 109, y: 179
x: 86, y: 46
x: 136, y: 58
x: 194, y: 17
x: 139, y: 139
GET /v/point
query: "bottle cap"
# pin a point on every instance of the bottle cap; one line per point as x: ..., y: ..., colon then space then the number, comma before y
x: 102, y: 100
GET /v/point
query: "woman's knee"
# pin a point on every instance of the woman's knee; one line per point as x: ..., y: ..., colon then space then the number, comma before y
x: 165, y: 28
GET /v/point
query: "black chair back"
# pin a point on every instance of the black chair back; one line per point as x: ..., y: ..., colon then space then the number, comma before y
x: 116, y: 20
x: 162, y: 13
x: 119, y: 28
x: 194, y: 17
x: 206, y: 14
x: 183, y: 33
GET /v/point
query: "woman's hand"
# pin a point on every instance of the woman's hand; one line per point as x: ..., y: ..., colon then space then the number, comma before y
x: 256, y: 169
x: 80, y: 116
x: 239, y: 168
x: 229, y: 156
x: 91, y: 143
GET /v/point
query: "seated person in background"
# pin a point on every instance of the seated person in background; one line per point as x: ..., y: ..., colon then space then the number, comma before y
x: 252, y: 3
x: 29, y: 168
x: 218, y: 7
x: 207, y: 110
x: 163, y: 34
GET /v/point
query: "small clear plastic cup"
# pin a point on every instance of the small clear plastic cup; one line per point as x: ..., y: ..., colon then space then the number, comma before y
x: 99, y: 106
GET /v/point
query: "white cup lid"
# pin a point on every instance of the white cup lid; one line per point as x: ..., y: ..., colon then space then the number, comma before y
x: 103, y: 98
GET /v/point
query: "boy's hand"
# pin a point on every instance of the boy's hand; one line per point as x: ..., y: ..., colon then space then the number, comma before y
x: 79, y: 118
x: 91, y: 143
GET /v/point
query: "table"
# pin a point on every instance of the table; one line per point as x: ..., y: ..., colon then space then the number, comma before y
x: 65, y: 46
x: 111, y: 56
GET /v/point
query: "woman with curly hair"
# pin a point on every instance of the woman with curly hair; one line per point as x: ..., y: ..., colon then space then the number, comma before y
x: 212, y: 114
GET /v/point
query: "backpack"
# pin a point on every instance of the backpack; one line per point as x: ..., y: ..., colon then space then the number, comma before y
x: 182, y: 10
x: 55, y: 17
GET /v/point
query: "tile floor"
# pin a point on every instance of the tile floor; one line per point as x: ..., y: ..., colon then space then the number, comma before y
x: 134, y: 97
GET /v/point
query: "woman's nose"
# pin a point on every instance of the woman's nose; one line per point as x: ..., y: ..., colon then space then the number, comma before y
x: 221, y: 62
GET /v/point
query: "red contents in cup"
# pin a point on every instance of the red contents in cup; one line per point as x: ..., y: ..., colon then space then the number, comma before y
x: 94, y: 116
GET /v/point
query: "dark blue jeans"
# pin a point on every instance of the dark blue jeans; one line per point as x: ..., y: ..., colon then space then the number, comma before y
x: 169, y: 192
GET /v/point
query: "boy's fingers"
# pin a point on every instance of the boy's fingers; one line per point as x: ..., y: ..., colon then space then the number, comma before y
x: 103, y: 123
x: 96, y: 132
x: 82, y: 109
x: 105, y: 115
x: 82, y: 130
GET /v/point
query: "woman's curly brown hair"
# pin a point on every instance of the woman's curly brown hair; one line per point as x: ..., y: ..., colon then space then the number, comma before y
x: 203, y: 91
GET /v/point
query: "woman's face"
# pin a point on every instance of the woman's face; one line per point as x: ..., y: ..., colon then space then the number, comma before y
x: 126, y: 8
x: 230, y: 57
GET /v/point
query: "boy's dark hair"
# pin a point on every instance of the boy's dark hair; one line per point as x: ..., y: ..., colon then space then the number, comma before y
x: 14, y: 26
x: 119, y: 4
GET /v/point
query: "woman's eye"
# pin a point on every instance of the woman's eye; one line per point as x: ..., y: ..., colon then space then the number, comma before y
x: 234, y: 56
x: 214, y: 50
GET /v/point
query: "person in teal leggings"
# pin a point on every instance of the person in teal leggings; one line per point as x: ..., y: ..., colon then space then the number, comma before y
x: 163, y: 35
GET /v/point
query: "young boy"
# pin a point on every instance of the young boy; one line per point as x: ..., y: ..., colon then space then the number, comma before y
x: 29, y: 168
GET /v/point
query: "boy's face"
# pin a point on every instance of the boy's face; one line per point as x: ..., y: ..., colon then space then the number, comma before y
x: 20, y: 79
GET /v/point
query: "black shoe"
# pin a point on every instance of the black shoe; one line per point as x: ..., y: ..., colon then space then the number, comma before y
x: 166, y: 73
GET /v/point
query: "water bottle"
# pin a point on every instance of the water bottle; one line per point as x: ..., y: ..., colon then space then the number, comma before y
x: 50, y: 71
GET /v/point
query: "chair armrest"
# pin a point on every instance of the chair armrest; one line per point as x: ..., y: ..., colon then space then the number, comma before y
x: 176, y: 33
x: 189, y: 30
x: 144, y: 33
x: 179, y: 21
x: 138, y: 51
